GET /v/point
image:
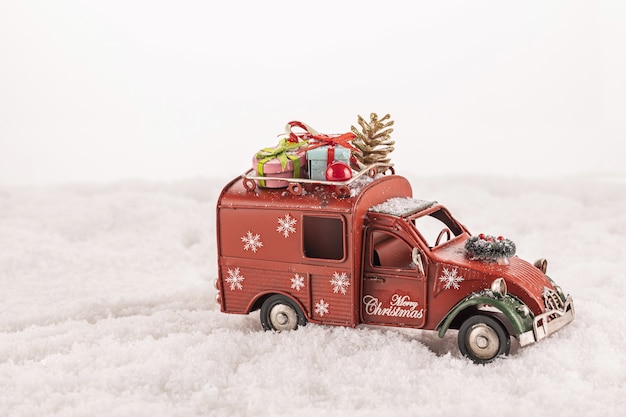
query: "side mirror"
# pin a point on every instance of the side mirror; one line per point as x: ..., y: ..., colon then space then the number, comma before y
x: 417, y: 260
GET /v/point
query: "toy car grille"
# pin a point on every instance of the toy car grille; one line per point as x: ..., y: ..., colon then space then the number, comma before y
x: 552, y: 300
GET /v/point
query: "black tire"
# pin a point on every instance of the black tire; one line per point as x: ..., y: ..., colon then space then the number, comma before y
x: 482, y: 339
x: 280, y: 313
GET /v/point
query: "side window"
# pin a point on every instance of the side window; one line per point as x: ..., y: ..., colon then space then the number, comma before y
x: 323, y: 237
x: 389, y: 251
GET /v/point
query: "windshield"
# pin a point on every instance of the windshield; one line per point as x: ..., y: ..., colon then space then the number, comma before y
x: 437, y: 227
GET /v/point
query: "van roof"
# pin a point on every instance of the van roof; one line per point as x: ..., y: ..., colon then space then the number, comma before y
x: 314, y: 196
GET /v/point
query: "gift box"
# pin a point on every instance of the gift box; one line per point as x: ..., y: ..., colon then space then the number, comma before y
x: 320, y: 157
x: 286, y: 160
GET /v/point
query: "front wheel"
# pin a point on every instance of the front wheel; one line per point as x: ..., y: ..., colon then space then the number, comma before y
x: 280, y: 313
x: 483, y: 338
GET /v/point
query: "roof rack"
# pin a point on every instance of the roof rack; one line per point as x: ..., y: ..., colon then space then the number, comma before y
x: 295, y: 185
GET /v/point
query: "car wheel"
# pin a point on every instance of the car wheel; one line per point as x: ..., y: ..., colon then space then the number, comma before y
x: 280, y: 313
x: 483, y: 339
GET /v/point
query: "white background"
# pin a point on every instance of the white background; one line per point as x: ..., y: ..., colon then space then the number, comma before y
x: 101, y: 91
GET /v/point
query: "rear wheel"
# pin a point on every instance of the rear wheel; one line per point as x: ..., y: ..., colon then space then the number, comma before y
x: 280, y: 313
x: 483, y: 338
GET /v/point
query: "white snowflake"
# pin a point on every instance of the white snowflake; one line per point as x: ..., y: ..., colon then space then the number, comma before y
x: 286, y: 225
x: 321, y: 308
x: 451, y: 278
x: 235, y: 279
x: 251, y: 242
x: 340, y: 282
x: 297, y: 282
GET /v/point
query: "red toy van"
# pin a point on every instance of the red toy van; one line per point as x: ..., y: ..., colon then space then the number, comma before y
x: 364, y: 251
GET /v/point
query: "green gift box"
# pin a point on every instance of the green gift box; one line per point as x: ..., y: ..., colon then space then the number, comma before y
x: 286, y: 160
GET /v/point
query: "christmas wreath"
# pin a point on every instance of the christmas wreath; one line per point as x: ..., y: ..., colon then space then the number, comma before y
x: 489, y: 248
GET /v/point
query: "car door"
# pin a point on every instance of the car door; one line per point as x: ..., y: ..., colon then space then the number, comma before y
x: 393, y: 287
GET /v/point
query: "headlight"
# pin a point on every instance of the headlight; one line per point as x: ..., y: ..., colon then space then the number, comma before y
x: 498, y: 286
x: 559, y: 291
x: 542, y: 264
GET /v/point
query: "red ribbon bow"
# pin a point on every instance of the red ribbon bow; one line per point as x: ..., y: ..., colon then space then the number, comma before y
x: 319, y: 138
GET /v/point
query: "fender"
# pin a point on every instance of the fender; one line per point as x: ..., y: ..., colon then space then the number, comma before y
x: 257, y: 301
x: 508, y: 305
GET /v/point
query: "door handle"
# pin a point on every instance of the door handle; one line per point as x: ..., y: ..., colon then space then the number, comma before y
x: 374, y: 278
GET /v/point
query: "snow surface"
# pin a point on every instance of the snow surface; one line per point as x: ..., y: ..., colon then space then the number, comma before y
x: 107, y: 309
x: 399, y: 206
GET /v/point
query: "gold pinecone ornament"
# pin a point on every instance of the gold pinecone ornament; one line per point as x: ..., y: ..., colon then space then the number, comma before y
x: 373, y: 141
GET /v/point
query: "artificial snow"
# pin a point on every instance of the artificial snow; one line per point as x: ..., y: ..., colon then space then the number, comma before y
x: 107, y: 309
x: 402, y: 206
x: 358, y: 184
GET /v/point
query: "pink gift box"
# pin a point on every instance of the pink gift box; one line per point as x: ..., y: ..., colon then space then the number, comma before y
x: 273, y: 168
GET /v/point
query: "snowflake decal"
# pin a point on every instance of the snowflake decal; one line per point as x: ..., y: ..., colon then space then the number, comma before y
x: 321, y: 308
x: 251, y: 242
x: 297, y: 282
x: 451, y: 278
x: 286, y: 225
x: 340, y: 283
x: 235, y: 279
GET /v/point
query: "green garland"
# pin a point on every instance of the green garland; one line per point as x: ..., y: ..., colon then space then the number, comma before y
x: 488, y: 248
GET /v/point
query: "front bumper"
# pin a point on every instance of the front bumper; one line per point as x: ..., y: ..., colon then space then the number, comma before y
x: 548, y: 323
